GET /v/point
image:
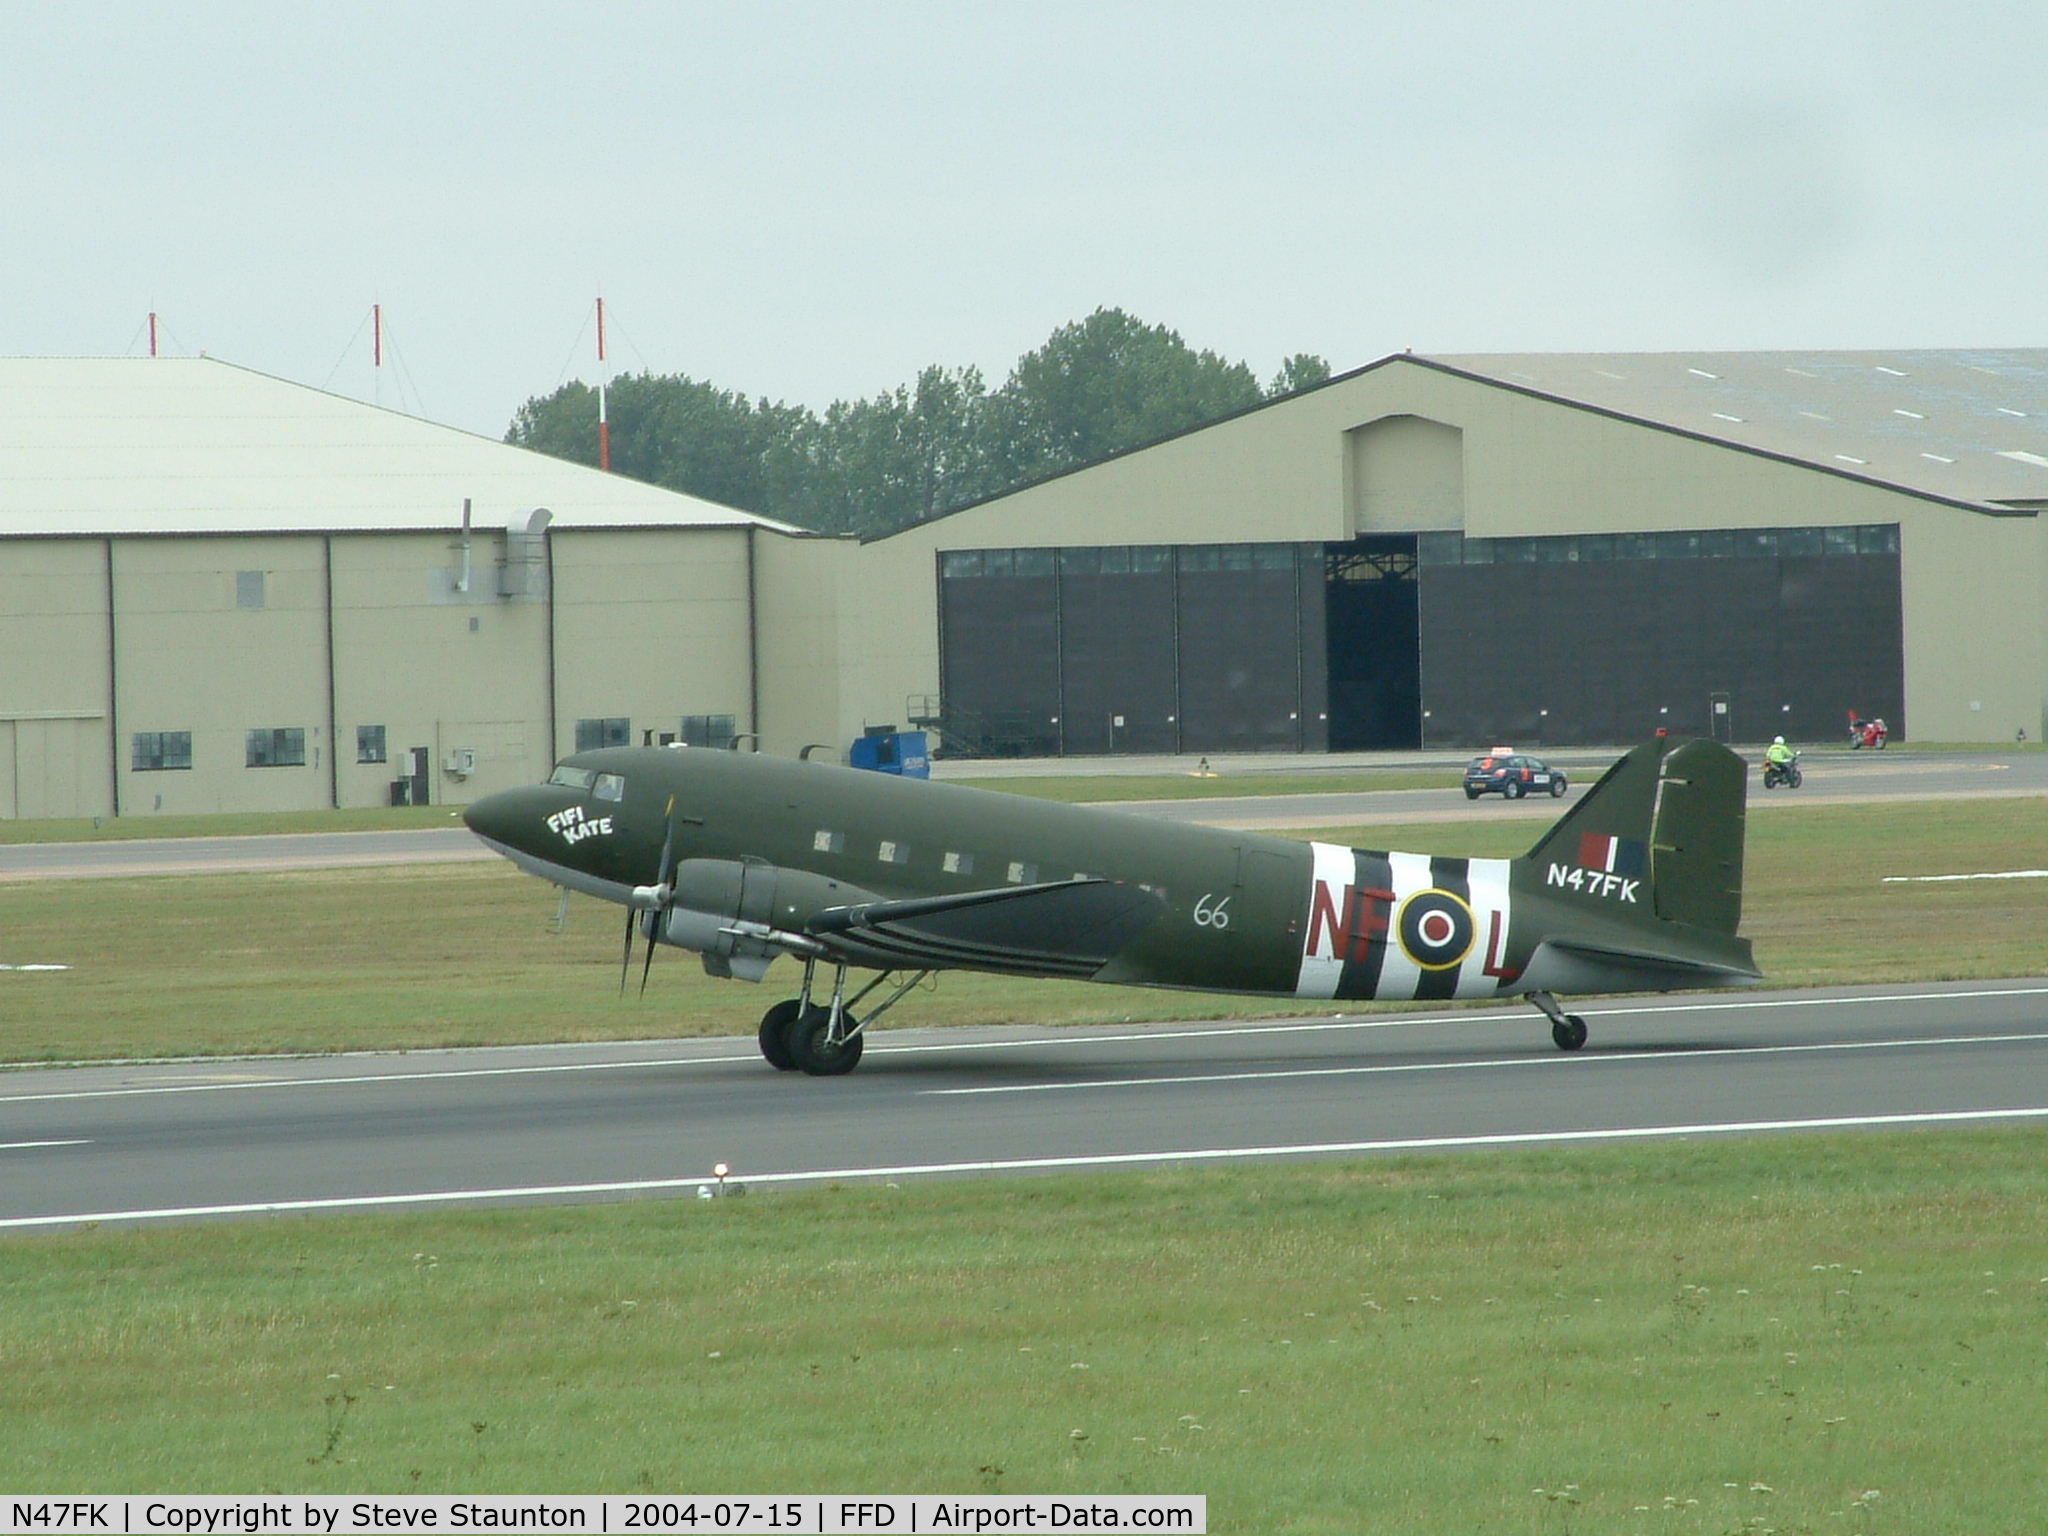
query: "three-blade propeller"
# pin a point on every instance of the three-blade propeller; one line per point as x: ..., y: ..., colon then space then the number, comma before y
x: 656, y: 903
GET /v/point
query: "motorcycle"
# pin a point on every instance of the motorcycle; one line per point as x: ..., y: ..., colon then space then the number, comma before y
x: 1867, y: 733
x: 1786, y: 773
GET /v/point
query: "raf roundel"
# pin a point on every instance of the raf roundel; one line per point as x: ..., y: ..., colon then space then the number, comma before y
x: 1436, y: 929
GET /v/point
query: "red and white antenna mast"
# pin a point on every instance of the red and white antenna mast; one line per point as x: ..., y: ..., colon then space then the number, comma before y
x: 376, y: 351
x: 604, y: 427
x: 152, y: 333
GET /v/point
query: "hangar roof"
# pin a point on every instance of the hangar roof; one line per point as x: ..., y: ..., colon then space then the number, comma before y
x: 1964, y: 425
x: 195, y: 445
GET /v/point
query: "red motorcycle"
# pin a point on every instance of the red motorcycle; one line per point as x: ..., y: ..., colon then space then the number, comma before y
x: 1867, y: 733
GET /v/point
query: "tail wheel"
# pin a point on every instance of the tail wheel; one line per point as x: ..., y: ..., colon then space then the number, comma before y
x: 814, y: 1054
x: 774, y: 1036
x: 1569, y: 1032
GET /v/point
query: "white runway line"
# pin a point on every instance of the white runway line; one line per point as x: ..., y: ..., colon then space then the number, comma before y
x: 24, y: 1146
x: 1083, y: 1037
x: 1048, y: 1164
x: 1707, y: 1053
x: 2003, y: 874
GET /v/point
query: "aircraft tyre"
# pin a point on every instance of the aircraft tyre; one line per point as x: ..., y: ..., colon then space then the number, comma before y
x: 1556, y: 785
x: 1513, y: 789
x: 1569, y: 1032
x: 813, y: 1055
x: 774, y: 1035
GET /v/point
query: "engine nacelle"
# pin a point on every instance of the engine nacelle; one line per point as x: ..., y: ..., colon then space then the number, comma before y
x: 740, y: 914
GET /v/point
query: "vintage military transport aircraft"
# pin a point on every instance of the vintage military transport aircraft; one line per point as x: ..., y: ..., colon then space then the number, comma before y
x: 744, y: 858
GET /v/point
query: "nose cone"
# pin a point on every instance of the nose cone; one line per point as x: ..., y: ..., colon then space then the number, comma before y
x: 513, y: 818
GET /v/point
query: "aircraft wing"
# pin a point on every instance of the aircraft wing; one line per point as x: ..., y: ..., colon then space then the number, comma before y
x: 1065, y: 928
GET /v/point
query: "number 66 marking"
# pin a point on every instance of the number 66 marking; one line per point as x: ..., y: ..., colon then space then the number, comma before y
x: 1210, y: 913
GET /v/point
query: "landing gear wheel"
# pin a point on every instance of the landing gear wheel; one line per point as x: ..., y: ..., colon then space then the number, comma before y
x: 774, y: 1036
x: 1513, y: 790
x: 813, y: 1054
x: 1556, y: 785
x: 1569, y: 1032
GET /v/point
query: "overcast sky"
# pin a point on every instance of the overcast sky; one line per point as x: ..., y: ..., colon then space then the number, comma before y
x: 813, y: 201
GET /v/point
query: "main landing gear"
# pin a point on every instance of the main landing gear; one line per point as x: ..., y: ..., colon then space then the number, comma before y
x: 1567, y: 1029
x: 825, y: 1039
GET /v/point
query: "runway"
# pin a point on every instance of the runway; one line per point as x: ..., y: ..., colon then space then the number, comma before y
x: 205, y: 1140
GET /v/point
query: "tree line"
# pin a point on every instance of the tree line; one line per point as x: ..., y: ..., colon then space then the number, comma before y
x: 1096, y: 386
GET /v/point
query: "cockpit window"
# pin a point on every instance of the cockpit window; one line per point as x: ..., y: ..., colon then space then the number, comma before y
x: 610, y: 786
x: 572, y: 778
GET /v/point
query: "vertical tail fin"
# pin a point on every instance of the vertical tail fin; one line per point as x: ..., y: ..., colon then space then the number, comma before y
x: 1670, y: 813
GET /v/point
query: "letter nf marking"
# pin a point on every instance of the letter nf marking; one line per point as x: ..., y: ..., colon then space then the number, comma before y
x: 1365, y: 918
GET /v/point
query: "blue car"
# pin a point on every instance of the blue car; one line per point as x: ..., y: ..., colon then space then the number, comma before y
x: 1504, y: 771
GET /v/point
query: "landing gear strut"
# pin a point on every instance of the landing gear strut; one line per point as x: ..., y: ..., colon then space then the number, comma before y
x: 1567, y: 1029
x: 825, y: 1040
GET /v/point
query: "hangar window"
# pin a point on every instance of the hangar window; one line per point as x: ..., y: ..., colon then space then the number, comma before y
x: 995, y: 562
x: 1677, y: 546
x: 1200, y: 557
x: 248, y: 589
x: 279, y: 748
x: 156, y: 751
x: 369, y: 743
x: 1596, y: 546
x: 1717, y: 544
x: 960, y: 562
x: 1150, y: 559
x: 1878, y: 539
x: 709, y: 730
x: 1838, y: 541
x: 593, y: 734
x: 1033, y: 562
x: 1082, y: 562
x: 1799, y: 541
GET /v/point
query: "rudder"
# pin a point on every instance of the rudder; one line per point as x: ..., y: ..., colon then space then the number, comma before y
x: 1673, y: 814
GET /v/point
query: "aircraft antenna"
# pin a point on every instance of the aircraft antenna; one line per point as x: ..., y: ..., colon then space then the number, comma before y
x: 604, y: 430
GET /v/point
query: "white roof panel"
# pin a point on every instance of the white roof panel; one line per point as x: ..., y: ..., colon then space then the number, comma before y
x: 195, y: 445
x: 1965, y: 425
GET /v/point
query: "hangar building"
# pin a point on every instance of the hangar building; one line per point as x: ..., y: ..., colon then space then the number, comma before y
x: 1558, y: 549
x: 221, y: 591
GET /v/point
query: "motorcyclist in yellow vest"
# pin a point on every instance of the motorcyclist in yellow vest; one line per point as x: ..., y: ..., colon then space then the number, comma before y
x: 1778, y: 752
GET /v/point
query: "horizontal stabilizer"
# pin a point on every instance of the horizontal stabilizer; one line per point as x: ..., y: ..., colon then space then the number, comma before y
x: 1067, y: 928
x: 1564, y: 963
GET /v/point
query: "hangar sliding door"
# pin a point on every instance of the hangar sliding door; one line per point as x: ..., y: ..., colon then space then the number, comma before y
x: 1153, y: 649
x: 1605, y: 638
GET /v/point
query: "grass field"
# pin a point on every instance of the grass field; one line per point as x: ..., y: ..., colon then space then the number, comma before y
x: 1843, y: 1334
x: 431, y: 955
x: 95, y: 829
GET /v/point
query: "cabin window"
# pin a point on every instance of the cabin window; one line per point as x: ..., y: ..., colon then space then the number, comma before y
x: 828, y: 842
x: 892, y: 852
x: 610, y: 786
x: 958, y: 863
x: 1023, y: 874
x: 573, y: 778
